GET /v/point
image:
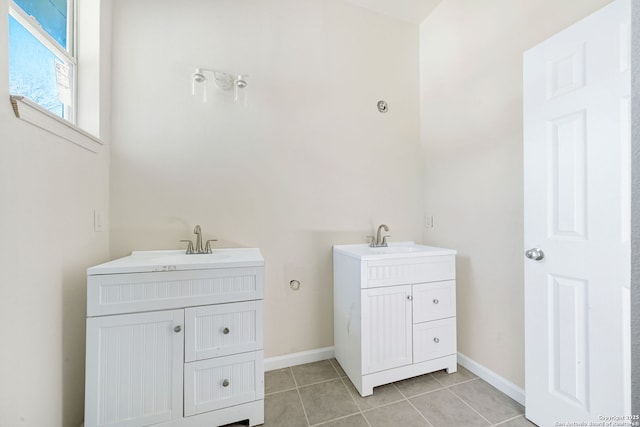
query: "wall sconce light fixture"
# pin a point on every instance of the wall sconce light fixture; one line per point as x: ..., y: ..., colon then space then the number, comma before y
x: 223, y: 80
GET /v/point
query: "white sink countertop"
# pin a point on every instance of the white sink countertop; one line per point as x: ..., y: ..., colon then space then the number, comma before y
x: 175, y: 260
x: 395, y: 250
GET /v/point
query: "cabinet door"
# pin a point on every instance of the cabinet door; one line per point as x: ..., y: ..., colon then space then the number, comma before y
x: 386, y: 328
x: 134, y: 369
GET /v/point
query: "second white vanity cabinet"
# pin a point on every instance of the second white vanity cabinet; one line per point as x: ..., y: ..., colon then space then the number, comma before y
x: 394, y: 312
x: 175, y: 339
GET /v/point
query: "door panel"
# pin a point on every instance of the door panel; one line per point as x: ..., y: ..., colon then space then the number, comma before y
x: 568, y: 330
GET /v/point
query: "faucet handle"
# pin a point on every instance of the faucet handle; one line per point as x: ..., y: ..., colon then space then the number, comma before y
x: 189, y: 246
x: 207, y: 246
x: 384, y: 239
x: 372, y: 243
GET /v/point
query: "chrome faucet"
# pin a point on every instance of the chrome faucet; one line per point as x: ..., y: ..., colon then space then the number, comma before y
x: 379, y: 240
x: 198, y: 232
x: 198, y: 249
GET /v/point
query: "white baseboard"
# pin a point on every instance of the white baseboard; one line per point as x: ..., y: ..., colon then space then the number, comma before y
x: 293, y: 359
x: 501, y: 383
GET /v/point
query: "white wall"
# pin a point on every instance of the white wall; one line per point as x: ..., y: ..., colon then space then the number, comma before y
x: 471, y: 134
x: 48, y: 190
x: 309, y: 163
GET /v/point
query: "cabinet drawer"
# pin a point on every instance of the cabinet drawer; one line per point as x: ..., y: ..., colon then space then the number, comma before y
x: 434, y: 339
x: 223, y: 329
x: 135, y: 292
x: 223, y: 381
x: 432, y: 301
x: 409, y: 270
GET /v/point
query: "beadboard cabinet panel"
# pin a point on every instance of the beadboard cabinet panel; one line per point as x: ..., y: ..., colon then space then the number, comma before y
x: 386, y: 328
x: 134, y: 375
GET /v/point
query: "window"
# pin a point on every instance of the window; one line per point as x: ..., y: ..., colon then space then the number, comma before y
x: 42, y: 64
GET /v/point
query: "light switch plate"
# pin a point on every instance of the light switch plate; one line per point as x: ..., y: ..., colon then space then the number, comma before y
x: 428, y: 221
x: 99, y: 221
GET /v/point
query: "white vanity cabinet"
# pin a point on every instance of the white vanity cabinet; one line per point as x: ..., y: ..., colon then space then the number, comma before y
x: 394, y: 312
x: 175, y: 340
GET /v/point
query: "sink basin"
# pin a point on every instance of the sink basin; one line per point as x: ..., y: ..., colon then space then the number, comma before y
x: 172, y: 260
x: 394, y: 250
x: 188, y: 259
x: 399, y: 249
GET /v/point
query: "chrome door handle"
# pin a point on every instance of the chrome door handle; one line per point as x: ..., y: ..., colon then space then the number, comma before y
x: 535, y: 254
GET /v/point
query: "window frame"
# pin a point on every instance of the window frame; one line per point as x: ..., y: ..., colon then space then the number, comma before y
x: 68, y: 55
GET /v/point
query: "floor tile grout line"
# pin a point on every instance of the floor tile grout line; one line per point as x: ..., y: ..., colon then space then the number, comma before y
x: 338, y: 376
x: 437, y: 380
x: 334, y: 419
x: 426, y: 392
x: 419, y: 412
x: 461, y: 382
x: 404, y: 398
x: 383, y: 405
x: 399, y: 391
x: 319, y: 382
x: 472, y: 408
x: 411, y: 403
x: 469, y: 404
x: 304, y: 411
x: 509, y: 419
x: 280, y: 391
x: 354, y: 401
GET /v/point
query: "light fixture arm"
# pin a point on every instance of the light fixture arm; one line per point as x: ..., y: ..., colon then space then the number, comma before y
x: 222, y: 79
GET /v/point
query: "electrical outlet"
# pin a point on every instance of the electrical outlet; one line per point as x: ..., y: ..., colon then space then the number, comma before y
x: 428, y: 221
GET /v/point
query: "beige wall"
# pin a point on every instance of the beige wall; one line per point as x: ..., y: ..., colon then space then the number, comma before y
x: 49, y: 189
x: 471, y: 133
x: 309, y: 163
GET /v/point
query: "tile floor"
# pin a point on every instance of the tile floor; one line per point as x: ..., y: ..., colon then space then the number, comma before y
x: 320, y: 394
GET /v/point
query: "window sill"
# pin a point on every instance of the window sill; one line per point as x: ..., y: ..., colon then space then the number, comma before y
x: 31, y: 112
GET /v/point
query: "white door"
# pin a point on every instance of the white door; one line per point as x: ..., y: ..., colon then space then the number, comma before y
x: 386, y: 328
x: 134, y: 369
x: 577, y: 192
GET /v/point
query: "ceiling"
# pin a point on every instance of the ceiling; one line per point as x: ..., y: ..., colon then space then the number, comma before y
x: 414, y: 11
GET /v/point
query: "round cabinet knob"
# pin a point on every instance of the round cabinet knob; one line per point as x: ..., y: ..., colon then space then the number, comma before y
x: 410, y: 298
x: 436, y: 340
x: 225, y: 331
x: 177, y: 329
x: 436, y: 301
x: 225, y: 383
